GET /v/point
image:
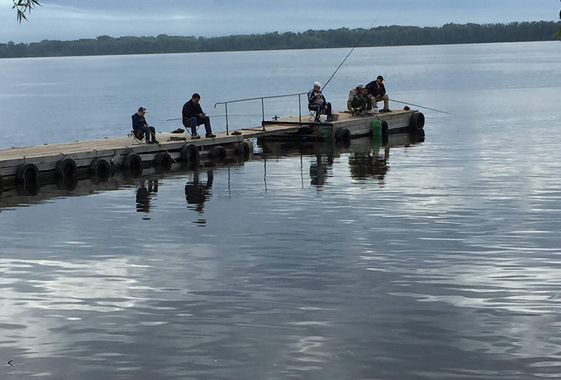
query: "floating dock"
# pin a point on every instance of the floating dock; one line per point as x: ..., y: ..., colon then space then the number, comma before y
x: 367, y: 159
x: 34, y: 166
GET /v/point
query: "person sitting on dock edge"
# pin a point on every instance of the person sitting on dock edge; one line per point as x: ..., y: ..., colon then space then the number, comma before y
x: 359, y: 101
x: 139, y: 124
x: 377, y: 91
x: 317, y: 103
x: 193, y: 115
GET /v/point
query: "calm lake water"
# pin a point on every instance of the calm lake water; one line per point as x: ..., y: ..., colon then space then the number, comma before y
x: 432, y: 260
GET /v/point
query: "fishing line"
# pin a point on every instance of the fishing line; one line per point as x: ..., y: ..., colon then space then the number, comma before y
x: 428, y: 108
x: 164, y: 148
x: 351, y: 52
x: 393, y: 100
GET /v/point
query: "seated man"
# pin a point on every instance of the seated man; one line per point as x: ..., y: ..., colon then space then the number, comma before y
x: 193, y: 115
x: 317, y: 103
x: 377, y: 92
x: 359, y: 101
x: 139, y: 124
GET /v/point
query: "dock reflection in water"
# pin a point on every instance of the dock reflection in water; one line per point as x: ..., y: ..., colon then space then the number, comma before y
x: 367, y: 160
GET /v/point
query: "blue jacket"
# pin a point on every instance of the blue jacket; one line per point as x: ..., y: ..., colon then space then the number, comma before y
x: 138, y: 121
x: 315, y: 98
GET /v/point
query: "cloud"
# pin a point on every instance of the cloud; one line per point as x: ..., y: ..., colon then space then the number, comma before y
x: 74, y: 19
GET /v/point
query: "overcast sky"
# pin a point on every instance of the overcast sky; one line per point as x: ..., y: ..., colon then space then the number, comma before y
x: 74, y: 19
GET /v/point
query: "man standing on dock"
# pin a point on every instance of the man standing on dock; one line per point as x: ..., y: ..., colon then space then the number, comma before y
x: 377, y: 92
x: 139, y: 123
x: 193, y: 115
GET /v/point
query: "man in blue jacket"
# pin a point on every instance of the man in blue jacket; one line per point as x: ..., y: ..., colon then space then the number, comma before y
x: 139, y: 124
x: 317, y: 103
x: 193, y: 115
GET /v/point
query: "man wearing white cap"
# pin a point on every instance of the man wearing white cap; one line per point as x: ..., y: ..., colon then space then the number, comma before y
x: 317, y: 103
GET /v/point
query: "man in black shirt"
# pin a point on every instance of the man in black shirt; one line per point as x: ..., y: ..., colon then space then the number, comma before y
x: 139, y: 124
x: 377, y: 92
x: 193, y: 115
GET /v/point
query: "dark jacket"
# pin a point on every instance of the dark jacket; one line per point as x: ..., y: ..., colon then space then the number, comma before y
x: 191, y: 109
x: 374, y: 90
x: 138, y: 121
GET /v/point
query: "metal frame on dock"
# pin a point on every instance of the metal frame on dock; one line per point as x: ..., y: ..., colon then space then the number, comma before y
x: 262, y: 98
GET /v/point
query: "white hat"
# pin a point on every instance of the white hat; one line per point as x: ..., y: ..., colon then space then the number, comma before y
x: 317, y: 84
x: 360, y: 85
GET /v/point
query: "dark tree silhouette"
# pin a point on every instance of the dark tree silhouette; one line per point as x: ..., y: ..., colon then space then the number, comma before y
x: 558, y: 34
x: 310, y: 39
x: 23, y: 7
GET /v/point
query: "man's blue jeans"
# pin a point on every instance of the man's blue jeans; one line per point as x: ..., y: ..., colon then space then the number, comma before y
x: 195, y: 120
x: 319, y: 109
x: 148, y: 131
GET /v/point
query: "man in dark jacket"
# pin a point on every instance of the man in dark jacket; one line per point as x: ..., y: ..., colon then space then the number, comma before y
x: 139, y: 124
x: 193, y: 115
x: 377, y: 91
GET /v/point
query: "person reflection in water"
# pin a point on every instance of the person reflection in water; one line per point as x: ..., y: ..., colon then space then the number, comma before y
x: 197, y: 193
x: 380, y: 165
x: 372, y: 165
x: 318, y: 170
x: 144, y: 195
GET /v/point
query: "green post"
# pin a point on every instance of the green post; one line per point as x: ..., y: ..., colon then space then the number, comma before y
x: 376, y: 128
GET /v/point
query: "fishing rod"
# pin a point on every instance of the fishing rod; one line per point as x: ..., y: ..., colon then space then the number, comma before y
x: 351, y: 52
x: 186, y: 118
x: 428, y: 108
x: 393, y: 100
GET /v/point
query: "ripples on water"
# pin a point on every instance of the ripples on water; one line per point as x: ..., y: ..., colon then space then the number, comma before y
x: 434, y: 260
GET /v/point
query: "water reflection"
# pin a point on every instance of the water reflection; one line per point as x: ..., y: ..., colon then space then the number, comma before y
x: 197, y: 192
x: 370, y: 165
x: 367, y: 160
x: 28, y: 189
x: 319, y: 169
x: 68, y: 183
x: 144, y: 195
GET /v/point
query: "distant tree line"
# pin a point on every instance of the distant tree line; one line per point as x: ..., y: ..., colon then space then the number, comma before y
x: 311, y: 39
x: 558, y: 34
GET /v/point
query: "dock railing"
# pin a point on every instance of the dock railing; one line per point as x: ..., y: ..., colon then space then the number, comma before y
x: 262, y: 99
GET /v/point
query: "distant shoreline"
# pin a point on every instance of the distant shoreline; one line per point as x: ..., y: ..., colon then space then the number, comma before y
x: 311, y: 39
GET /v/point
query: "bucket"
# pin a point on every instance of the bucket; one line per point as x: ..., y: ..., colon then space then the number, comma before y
x: 376, y: 128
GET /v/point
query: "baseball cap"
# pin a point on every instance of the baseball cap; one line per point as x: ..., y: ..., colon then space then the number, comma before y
x: 142, y: 109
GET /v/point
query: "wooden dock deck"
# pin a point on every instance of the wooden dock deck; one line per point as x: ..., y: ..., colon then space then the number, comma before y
x: 26, y: 163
